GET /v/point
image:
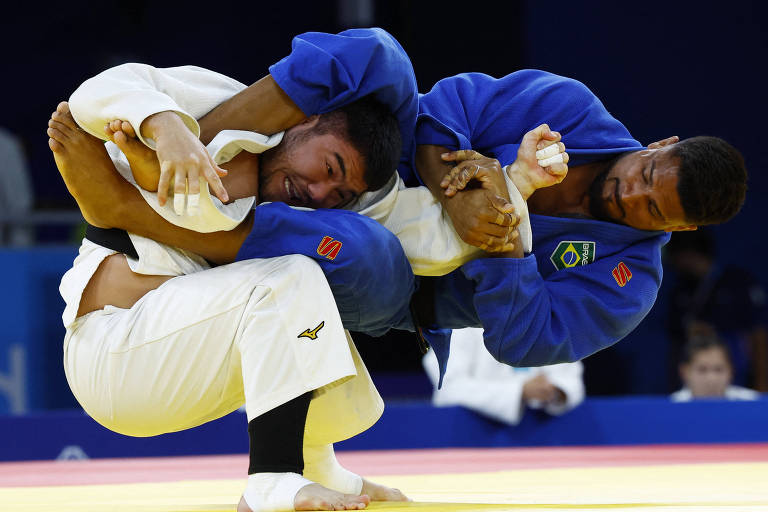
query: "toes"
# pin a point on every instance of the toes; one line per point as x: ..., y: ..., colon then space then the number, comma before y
x: 55, y: 134
x: 128, y: 129
x: 55, y: 146
x: 120, y: 139
x: 64, y: 117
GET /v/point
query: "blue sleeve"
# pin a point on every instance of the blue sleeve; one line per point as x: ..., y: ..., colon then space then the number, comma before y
x: 326, y: 71
x: 490, y: 115
x: 366, y: 268
x: 532, y: 321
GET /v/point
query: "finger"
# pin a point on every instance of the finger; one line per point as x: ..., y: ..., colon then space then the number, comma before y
x: 108, y: 131
x: 558, y: 169
x: 461, y: 155
x: 505, y: 208
x: 193, y: 191
x: 193, y: 180
x: 466, y: 175
x: 548, y: 149
x: 216, y: 185
x: 448, y: 178
x: 163, y: 184
x: 179, y: 191
x: 557, y: 159
x: 193, y: 204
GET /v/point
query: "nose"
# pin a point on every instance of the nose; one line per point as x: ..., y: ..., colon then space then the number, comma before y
x: 320, y: 193
x: 631, y: 194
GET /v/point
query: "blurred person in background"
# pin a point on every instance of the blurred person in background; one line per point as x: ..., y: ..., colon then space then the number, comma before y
x: 16, y: 199
x: 707, y: 372
x: 477, y: 381
x: 708, y: 299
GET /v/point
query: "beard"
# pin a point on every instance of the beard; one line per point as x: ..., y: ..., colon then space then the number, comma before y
x: 597, y: 204
x: 597, y: 207
x: 275, y: 159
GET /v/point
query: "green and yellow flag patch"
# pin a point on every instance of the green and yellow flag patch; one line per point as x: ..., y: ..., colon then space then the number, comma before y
x: 572, y: 253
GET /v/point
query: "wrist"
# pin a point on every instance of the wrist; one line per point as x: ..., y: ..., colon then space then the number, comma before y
x: 154, y: 126
x: 520, y: 180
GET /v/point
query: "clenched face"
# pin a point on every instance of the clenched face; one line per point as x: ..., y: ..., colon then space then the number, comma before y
x: 640, y: 190
x: 307, y: 169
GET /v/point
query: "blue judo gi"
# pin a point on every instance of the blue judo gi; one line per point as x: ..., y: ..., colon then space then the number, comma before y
x: 588, y: 283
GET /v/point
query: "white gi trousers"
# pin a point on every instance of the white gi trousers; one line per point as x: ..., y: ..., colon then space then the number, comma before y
x: 201, y: 345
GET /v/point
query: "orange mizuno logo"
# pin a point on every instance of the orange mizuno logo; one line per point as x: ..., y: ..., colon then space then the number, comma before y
x: 621, y: 274
x: 329, y: 248
x: 313, y: 333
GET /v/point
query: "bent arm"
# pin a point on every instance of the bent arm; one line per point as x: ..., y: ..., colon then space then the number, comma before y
x: 322, y: 73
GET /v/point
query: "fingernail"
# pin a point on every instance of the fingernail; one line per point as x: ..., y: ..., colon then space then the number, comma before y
x: 445, y: 155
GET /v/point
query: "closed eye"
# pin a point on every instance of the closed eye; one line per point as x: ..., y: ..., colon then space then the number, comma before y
x: 654, y: 210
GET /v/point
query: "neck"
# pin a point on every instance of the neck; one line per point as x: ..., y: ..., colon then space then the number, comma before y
x: 570, y: 196
x: 242, y: 179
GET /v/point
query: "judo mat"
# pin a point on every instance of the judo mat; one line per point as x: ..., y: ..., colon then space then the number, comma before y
x: 636, y: 478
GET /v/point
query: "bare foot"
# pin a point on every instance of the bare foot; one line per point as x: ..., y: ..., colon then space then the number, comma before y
x: 317, y: 497
x: 84, y: 165
x: 143, y: 160
x: 379, y: 492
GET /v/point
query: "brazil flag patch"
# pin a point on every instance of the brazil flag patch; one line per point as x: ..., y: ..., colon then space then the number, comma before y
x: 572, y: 253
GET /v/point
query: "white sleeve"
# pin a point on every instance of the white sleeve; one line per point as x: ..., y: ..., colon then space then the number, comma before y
x: 464, y: 383
x: 133, y: 92
x: 426, y: 232
x: 568, y: 378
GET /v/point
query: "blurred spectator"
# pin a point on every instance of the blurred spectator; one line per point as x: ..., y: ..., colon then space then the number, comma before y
x: 706, y: 372
x: 728, y: 300
x: 474, y: 379
x: 15, y: 192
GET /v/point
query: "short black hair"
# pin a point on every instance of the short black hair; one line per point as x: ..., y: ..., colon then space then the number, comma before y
x: 701, y: 343
x: 712, y: 180
x: 373, y: 131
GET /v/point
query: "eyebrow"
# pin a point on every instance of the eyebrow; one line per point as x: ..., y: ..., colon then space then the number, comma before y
x: 341, y: 165
x: 650, y: 173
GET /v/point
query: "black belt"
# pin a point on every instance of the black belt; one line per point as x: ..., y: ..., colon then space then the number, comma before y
x: 423, y: 310
x: 115, y: 239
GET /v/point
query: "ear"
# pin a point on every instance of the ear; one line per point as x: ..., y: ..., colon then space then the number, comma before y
x: 310, y: 121
x: 665, y: 142
x: 682, y: 228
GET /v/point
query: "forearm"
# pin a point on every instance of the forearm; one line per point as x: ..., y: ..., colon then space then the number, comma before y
x: 432, y: 169
x: 134, y: 214
x: 262, y: 107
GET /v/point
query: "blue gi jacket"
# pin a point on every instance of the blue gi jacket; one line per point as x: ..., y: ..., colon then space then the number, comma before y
x: 534, y: 313
x: 588, y: 283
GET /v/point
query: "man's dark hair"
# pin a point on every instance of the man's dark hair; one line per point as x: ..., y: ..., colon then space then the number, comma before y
x: 373, y: 131
x: 701, y: 343
x: 712, y: 180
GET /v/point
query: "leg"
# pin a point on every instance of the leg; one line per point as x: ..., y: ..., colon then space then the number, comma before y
x: 196, y: 347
